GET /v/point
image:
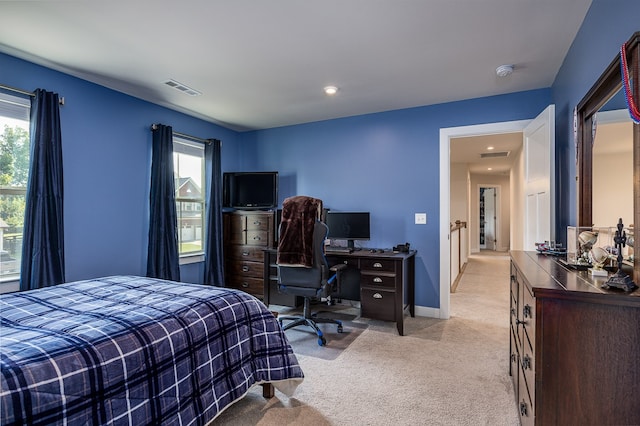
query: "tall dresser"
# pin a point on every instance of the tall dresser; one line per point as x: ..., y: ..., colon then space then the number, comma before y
x: 246, y: 235
x: 575, y: 348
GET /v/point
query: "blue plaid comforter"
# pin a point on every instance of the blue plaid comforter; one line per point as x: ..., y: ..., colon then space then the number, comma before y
x: 134, y: 351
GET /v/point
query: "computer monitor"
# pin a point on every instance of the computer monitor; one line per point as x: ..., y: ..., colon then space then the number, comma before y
x: 348, y: 226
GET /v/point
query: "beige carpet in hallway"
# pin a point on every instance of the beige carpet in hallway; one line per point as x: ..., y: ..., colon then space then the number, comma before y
x: 442, y: 372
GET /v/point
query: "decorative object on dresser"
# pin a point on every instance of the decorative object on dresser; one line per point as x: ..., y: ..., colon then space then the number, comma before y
x: 246, y: 235
x: 574, y: 346
x: 620, y: 279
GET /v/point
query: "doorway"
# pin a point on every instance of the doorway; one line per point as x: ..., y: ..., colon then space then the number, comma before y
x: 487, y: 218
x: 446, y: 134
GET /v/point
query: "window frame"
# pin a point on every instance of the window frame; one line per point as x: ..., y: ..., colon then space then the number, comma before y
x: 184, y: 145
x: 17, y: 107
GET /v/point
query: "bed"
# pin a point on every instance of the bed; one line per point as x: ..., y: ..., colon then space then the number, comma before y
x: 128, y: 350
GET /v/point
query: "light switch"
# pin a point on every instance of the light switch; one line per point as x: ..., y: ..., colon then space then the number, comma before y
x: 421, y: 218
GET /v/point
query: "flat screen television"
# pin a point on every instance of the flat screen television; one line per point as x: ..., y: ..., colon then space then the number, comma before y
x: 250, y: 190
x: 348, y: 226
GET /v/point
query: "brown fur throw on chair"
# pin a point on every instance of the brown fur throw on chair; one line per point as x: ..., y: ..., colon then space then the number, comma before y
x: 295, y: 246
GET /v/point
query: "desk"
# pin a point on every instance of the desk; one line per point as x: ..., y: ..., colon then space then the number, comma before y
x: 386, y: 283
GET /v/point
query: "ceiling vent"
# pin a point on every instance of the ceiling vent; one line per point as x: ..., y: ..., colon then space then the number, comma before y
x: 499, y: 154
x: 183, y: 88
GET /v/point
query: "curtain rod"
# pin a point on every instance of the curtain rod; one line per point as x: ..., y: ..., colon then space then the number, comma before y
x: 24, y: 92
x: 183, y: 135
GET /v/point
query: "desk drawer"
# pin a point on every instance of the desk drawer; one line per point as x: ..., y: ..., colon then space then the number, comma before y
x: 378, y: 304
x: 379, y: 279
x: 378, y: 265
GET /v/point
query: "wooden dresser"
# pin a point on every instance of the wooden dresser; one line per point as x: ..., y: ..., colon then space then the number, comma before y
x: 246, y: 235
x: 575, y: 348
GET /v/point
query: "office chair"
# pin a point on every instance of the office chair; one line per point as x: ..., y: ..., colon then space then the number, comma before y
x: 306, y: 274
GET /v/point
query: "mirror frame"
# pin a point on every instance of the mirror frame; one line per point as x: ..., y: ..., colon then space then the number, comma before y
x: 604, y: 88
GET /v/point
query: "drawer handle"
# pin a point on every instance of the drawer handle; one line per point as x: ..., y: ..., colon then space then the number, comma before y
x: 245, y: 253
x: 518, y: 322
x: 377, y: 280
x: 523, y: 409
x: 377, y: 296
x: 377, y: 265
x: 257, y: 237
x: 526, y: 311
x: 257, y: 222
x: 245, y: 269
x: 526, y: 362
x: 245, y: 284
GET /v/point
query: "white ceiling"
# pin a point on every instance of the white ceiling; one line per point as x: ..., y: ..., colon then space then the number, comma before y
x: 263, y: 64
x: 467, y: 151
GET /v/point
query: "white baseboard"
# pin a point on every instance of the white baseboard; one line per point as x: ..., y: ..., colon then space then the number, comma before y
x: 427, y: 311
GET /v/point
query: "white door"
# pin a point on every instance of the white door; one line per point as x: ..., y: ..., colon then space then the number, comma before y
x: 489, y: 218
x: 539, y: 182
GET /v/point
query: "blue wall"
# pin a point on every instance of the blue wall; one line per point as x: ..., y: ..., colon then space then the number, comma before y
x: 385, y: 163
x: 106, y: 153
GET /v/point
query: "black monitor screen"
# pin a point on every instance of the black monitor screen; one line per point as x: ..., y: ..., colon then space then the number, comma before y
x: 348, y: 225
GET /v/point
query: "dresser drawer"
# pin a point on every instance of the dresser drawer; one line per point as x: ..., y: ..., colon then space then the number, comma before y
x: 257, y: 222
x: 381, y: 279
x: 377, y: 304
x: 514, y: 359
x: 528, y: 317
x: 377, y: 265
x: 250, y: 285
x: 527, y: 364
x: 525, y: 407
x: 246, y: 269
x: 257, y: 238
x: 240, y: 252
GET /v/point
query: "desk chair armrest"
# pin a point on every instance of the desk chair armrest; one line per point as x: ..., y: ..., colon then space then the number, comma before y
x: 335, y: 278
x: 338, y: 267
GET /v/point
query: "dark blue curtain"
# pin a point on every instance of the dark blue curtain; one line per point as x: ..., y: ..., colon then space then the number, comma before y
x: 43, y: 239
x: 163, y: 256
x: 213, y: 263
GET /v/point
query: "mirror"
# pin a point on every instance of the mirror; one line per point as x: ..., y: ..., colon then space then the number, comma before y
x: 599, y: 116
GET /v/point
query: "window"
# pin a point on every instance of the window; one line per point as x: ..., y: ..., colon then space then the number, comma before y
x: 14, y: 171
x: 188, y: 163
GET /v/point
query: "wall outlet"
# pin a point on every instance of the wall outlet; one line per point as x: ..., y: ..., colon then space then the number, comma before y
x: 421, y: 218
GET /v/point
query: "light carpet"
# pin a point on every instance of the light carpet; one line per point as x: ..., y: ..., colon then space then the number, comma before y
x: 442, y: 372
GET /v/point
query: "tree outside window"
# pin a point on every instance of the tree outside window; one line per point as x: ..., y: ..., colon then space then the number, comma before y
x: 14, y: 173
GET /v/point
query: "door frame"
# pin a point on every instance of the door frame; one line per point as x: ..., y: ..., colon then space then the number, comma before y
x: 446, y: 134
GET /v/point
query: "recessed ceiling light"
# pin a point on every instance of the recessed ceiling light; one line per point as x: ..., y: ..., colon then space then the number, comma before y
x: 489, y: 168
x: 331, y: 90
x: 490, y: 148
